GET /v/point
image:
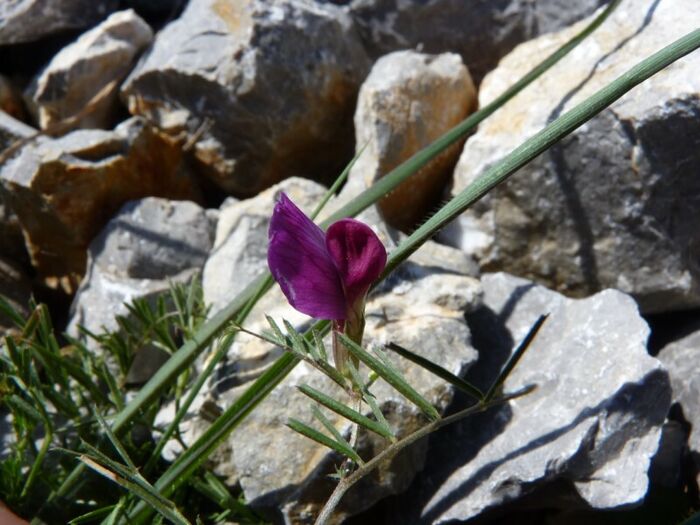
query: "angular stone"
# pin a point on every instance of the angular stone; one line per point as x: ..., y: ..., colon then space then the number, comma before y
x: 270, y: 87
x: 593, y: 423
x: 421, y: 307
x: 12, y: 130
x: 408, y: 100
x: 482, y: 32
x: 682, y: 358
x: 31, y: 20
x: 104, y: 55
x: 147, y: 245
x: 614, y: 204
x: 65, y: 190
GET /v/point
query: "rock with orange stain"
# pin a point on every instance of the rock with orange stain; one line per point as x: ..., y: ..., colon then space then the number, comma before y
x: 82, y: 70
x: 269, y: 88
x: 408, y: 101
x: 615, y: 204
x: 65, y: 190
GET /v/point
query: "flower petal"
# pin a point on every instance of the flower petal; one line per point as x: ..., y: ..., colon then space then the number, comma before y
x: 358, y: 255
x: 300, y: 263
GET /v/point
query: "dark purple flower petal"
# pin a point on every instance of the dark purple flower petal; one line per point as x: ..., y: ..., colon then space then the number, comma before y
x: 300, y: 263
x: 358, y: 255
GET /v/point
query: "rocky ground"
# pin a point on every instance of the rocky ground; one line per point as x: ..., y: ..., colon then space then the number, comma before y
x: 144, y: 143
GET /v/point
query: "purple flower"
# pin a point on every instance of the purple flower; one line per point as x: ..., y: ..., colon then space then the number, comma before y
x: 324, y: 275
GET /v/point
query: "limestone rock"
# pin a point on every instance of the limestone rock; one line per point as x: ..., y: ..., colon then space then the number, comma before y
x: 101, y: 56
x: 270, y: 86
x: 682, y: 359
x: 31, y: 20
x: 614, y: 204
x: 65, y: 190
x: 421, y: 306
x: 480, y: 31
x: 408, y: 100
x: 148, y: 244
x: 593, y: 423
x: 12, y: 130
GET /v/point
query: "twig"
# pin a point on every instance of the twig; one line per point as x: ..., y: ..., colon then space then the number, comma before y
x: 346, y: 483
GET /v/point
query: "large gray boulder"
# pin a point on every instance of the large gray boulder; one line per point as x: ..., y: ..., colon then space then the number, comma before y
x: 147, y: 245
x: 101, y: 56
x: 268, y: 87
x: 482, y: 31
x: 614, y: 204
x: 408, y: 100
x: 421, y: 307
x: 31, y: 20
x: 64, y: 190
x: 593, y: 423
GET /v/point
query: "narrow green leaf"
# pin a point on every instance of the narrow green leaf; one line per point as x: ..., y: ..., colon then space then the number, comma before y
x: 296, y: 340
x: 369, y: 398
x: 168, y: 511
x: 318, y: 341
x: 13, y: 315
x: 93, y: 515
x: 276, y: 330
x: 19, y: 406
x: 515, y: 357
x: 345, y: 411
x: 115, y: 442
x: 329, y: 426
x: 324, y: 440
x: 439, y: 371
x: 391, y: 376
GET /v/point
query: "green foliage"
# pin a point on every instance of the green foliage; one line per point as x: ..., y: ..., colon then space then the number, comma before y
x: 56, y: 393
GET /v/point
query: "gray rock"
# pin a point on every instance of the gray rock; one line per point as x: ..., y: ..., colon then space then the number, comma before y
x: 421, y: 307
x: 408, y: 100
x: 101, y: 56
x: 615, y: 204
x: 481, y: 31
x: 593, y: 423
x: 31, y: 20
x: 12, y: 130
x: 682, y: 359
x: 65, y: 190
x: 271, y: 86
x: 148, y: 244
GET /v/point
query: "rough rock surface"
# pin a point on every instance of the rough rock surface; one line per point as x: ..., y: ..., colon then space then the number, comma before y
x: 408, y: 100
x: 615, y: 204
x: 482, y: 31
x: 682, y: 359
x: 104, y: 55
x: 31, y: 20
x: 270, y: 86
x: 10, y: 99
x: 12, y: 130
x: 148, y: 244
x: 65, y: 190
x: 593, y: 423
x: 421, y: 307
